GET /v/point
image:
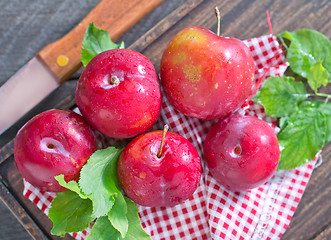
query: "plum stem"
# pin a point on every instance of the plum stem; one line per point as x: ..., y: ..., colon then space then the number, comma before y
x: 218, y: 16
x: 50, y: 146
x: 237, y: 150
x: 327, y: 96
x: 114, y: 80
x: 165, y: 129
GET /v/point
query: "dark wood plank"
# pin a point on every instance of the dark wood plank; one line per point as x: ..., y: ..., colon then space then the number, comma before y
x: 20, y: 212
x: 164, y: 25
x: 313, y: 214
x: 325, y: 234
x: 241, y: 19
x: 14, y: 184
x: 27, y: 26
x: 6, y: 151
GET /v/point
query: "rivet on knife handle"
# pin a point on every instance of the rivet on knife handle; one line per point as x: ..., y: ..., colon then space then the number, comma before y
x: 116, y: 16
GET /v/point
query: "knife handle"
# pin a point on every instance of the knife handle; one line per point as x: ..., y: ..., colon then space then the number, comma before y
x: 116, y: 16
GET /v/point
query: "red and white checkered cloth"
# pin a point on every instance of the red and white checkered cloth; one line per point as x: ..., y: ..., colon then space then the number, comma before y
x: 214, y: 212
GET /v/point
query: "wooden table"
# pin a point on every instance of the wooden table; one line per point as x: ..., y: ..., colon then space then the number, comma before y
x: 27, y: 26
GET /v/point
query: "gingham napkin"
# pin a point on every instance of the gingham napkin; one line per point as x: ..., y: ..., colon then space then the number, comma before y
x: 214, y: 212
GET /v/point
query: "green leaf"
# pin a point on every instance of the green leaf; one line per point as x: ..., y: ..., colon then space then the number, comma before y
x: 121, y: 45
x: 306, y: 49
x: 70, y: 213
x: 96, y: 41
x: 303, y: 136
x: 283, y: 122
x: 99, y: 181
x: 117, y: 215
x: 280, y: 96
x: 104, y: 230
x: 317, y: 76
x: 135, y: 230
x: 72, y: 185
x: 325, y: 109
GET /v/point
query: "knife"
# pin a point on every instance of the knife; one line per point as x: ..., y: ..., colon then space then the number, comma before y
x: 56, y: 62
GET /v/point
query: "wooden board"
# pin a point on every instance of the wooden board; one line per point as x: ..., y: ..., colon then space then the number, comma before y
x: 241, y: 19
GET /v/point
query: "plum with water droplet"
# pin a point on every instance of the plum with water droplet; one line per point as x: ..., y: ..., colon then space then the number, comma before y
x: 52, y: 143
x: 119, y: 93
x: 204, y: 75
x: 155, y: 178
x: 241, y: 152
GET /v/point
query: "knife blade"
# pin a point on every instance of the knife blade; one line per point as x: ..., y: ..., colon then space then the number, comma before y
x: 56, y: 62
x: 17, y: 95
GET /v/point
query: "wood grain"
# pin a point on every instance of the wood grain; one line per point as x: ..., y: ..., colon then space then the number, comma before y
x: 241, y: 19
x: 313, y: 214
x: 161, y: 27
x: 112, y: 15
x: 14, y: 184
x: 325, y: 234
x: 28, y: 26
x: 20, y: 212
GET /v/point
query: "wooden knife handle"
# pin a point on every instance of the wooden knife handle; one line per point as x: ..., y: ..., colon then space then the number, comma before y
x: 116, y: 16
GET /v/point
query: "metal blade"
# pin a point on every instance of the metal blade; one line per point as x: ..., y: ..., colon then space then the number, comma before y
x: 31, y: 84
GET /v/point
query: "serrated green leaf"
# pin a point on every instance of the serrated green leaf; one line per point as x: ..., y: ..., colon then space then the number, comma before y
x: 317, y: 76
x: 306, y: 49
x: 69, y: 213
x: 96, y: 41
x: 303, y: 136
x: 99, y: 181
x: 72, y: 185
x: 117, y: 215
x: 325, y: 109
x: 281, y: 96
x: 103, y: 229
